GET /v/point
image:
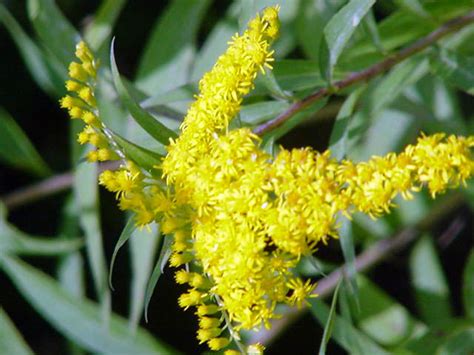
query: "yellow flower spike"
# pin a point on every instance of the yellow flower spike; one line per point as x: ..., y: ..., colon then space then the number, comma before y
x: 191, y: 298
x: 182, y: 276
x: 83, y: 53
x: 104, y: 154
x: 108, y: 180
x: 83, y: 137
x: 178, y: 259
x: 232, y: 352
x: 204, y: 335
x: 76, y: 112
x: 181, y: 246
x: 200, y: 282
x: 90, y: 118
x: 208, y: 322
x: 92, y: 156
x: 87, y: 95
x: 300, y: 291
x: 207, y: 309
x: 70, y: 102
x: 255, y: 349
x: 218, y: 343
x: 169, y: 225
x: 243, y: 217
x: 77, y: 72
x: 72, y: 85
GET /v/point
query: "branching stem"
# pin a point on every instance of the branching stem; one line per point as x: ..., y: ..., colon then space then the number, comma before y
x: 366, y: 74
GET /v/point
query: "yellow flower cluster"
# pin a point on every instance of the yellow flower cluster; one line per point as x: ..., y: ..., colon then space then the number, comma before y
x: 135, y: 190
x: 240, y: 218
x: 81, y: 104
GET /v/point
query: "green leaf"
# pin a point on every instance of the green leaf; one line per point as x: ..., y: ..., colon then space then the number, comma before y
x: 370, y: 25
x: 292, y: 75
x: 339, y: 134
x: 468, y: 286
x: 149, y: 123
x: 165, y: 253
x: 363, y: 53
x: 428, y: 342
x: 461, y: 342
x: 124, y: 236
x: 413, y: 6
x: 247, y: 11
x: 398, y: 79
x: 143, y: 157
x: 213, y: 47
x: 170, y: 48
x: 99, y: 30
x: 14, y: 241
x: 86, y: 195
x: 380, y: 317
x: 16, y: 149
x: 182, y: 93
x: 457, y: 69
x: 11, y: 341
x: 78, y: 319
x: 338, y: 31
x: 55, y: 31
x: 348, y: 337
x: 34, y: 59
x: 346, y: 241
x: 143, y: 247
x: 328, y: 328
x: 312, y: 18
x: 273, y: 87
x: 429, y: 281
x: 262, y: 111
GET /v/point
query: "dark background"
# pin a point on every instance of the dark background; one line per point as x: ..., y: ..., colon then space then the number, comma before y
x: 47, y: 127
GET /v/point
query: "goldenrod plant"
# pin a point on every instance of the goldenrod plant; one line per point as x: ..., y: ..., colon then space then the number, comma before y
x: 243, y: 221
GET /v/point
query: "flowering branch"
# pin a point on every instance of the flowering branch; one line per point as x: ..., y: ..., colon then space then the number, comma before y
x: 62, y: 182
x: 372, y: 256
x: 366, y: 74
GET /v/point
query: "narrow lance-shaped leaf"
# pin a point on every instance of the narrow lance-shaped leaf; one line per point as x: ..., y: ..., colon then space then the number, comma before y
x: 149, y: 123
x: 215, y: 45
x: 429, y: 281
x: 55, y: 31
x: 14, y: 241
x: 165, y: 253
x: 468, y: 286
x: 455, y: 68
x: 413, y: 6
x: 11, y: 341
x: 170, y: 49
x: 143, y: 246
x: 348, y: 250
x: 381, y: 317
x: 461, y: 342
x: 329, y: 322
x: 86, y: 193
x: 340, y: 132
x: 78, y: 319
x: 32, y: 56
x: 348, y: 337
x: 143, y: 157
x: 99, y: 30
x: 124, y: 236
x: 338, y: 31
x: 16, y: 149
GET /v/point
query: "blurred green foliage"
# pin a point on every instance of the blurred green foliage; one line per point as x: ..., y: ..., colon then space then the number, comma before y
x: 321, y: 41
